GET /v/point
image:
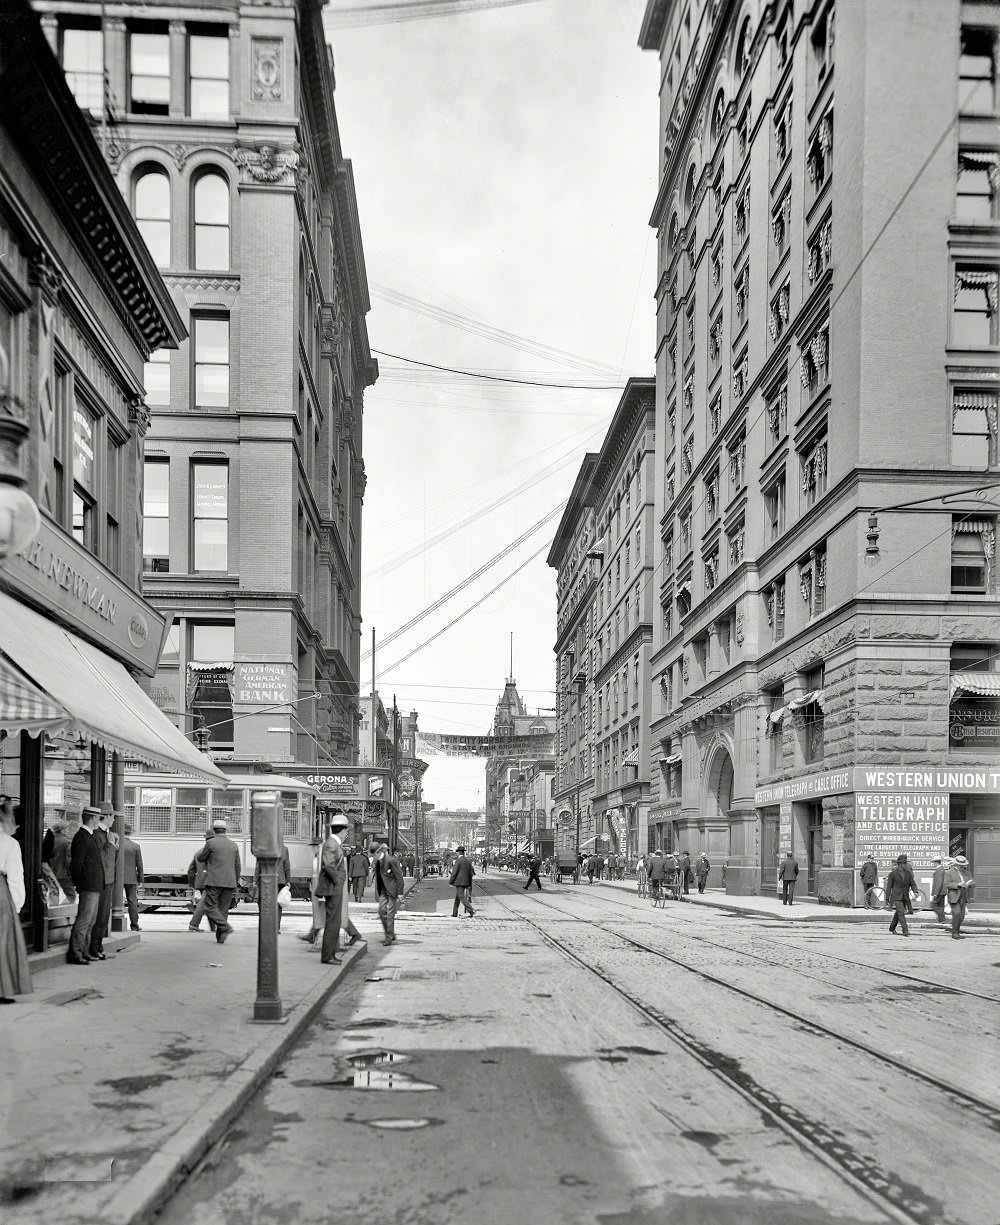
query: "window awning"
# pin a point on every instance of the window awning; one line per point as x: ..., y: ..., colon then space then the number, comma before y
x: 98, y: 697
x: 986, y: 684
x: 814, y: 695
x: 775, y: 717
x: 631, y: 759
x: 23, y: 708
x: 672, y: 760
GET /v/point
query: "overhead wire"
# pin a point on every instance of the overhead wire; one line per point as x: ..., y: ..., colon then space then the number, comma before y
x: 495, y: 378
x: 469, y: 579
x: 358, y: 15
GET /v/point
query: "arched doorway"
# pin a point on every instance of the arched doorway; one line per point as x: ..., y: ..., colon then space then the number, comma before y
x: 717, y: 800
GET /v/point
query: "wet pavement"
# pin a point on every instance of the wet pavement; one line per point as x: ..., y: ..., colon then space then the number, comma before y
x: 566, y: 1075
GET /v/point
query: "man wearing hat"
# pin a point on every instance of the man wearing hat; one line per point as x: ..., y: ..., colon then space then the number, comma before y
x: 389, y: 886
x: 107, y: 844
x: 869, y: 876
x: 330, y: 885
x: 899, y: 884
x: 87, y: 871
x: 221, y: 857
x: 959, y: 884
x: 940, y: 866
x: 196, y: 880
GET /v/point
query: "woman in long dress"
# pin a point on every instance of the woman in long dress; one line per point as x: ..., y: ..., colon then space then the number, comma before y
x: 15, y: 977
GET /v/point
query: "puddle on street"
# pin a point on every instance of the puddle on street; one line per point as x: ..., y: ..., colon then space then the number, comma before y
x: 373, y: 1071
x: 399, y: 1124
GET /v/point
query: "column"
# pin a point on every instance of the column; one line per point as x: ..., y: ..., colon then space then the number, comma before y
x: 116, y: 62
x: 743, y: 875
x: 32, y: 813
x: 178, y: 68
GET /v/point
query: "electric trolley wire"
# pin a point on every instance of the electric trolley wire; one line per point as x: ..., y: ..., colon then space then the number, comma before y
x: 471, y: 578
x: 496, y: 378
x: 358, y: 15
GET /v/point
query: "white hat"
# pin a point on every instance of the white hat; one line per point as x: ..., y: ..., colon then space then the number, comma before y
x: 219, y: 823
x: 338, y: 820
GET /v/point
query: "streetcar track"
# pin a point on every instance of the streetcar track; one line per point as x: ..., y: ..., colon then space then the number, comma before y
x: 689, y: 922
x: 987, y: 1111
x: 899, y: 1201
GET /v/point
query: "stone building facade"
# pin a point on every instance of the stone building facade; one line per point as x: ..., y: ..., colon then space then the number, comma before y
x: 825, y: 664
x: 221, y: 129
x: 511, y: 720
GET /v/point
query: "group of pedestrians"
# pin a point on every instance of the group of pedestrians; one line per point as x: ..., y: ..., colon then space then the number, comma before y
x: 660, y: 866
x: 952, y: 883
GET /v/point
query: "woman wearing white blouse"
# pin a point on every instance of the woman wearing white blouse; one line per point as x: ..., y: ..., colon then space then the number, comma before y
x: 15, y: 978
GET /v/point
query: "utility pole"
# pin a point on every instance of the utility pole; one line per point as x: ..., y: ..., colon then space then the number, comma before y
x: 395, y: 769
x: 374, y: 716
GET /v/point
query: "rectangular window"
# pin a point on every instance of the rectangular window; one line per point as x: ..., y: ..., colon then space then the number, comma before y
x: 60, y: 434
x: 210, y: 516
x: 114, y: 482
x: 85, y: 432
x: 149, y: 71
x: 82, y: 57
x: 812, y: 581
x: 208, y: 66
x: 774, y: 606
x: 974, y: 427
x: 974, y: 314
x: 211, y: 361
x: 777, y: 416
x: 972, y: 549
x: 774, y: 504
x: 814, y: 472
x: 156, y: 516
x: 978, y: 179
x: 977, y: 71
x: 156, y: 379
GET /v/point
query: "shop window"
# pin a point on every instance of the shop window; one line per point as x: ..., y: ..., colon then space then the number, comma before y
x: 151, y: 209
x: 210, y: 516
x: 81, y: 53
x: 211, y: 361
x: 149, y: 70
x: 977, y: 71
x: 974, y: 313
x: 978, y: 181
x: 208, y: 66
x: 972, y: 554
x: 211, y: 222
x: 156, y: 379
x: 974, y: 428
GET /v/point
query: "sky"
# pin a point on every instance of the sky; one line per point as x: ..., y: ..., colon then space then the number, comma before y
x: 505, y: 166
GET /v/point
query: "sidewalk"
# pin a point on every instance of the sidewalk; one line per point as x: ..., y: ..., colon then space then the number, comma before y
x: 119, y: 1076
x: 804, y: 911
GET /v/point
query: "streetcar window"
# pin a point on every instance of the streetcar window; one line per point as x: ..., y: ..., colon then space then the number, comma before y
x: 290, y: 813
x: 192, y: 810
x: 153, y: 816
x: 228, y: 806
x: 130, y: 806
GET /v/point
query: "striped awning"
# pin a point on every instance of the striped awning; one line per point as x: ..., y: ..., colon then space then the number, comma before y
x: 814, y: 695
x: 631, y: 759
x: 672, y: 760
x: 985, y: 684
x: 25, y: 708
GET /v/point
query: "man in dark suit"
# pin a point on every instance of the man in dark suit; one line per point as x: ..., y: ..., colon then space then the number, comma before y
x: 462, y: 873
x: 389, y: 886
x: 87, y: 871
x: 221, y: 857
x: 107, y: 843
x: 899, y: 884
x: 533, y: 869
x: 330, y: 884
x: 360, y: 867
x: 787, y: 873
x: 132, y: 856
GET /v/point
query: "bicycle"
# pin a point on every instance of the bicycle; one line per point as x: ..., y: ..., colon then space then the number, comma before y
x: 642, y: 885
x: 875, y: 898
x: 657, y: 893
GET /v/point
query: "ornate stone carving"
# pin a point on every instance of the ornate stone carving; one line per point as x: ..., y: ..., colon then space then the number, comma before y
x: 739, y: 629
x: 267, y: 69
x: 46, y: 275
x: 139, y: 414
x: 360, y: 480
x: 267, y: 164
x: 180, y: 155
x: 116, y: 149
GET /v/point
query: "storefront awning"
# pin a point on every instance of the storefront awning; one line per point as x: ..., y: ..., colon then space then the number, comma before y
x: 986, y: 684
x: 100, y: 700
x: 23, y: 708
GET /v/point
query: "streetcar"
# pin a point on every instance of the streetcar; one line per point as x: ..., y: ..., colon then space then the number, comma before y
x: 170, y: 814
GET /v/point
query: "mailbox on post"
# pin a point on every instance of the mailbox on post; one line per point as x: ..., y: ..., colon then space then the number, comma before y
x: 266, y: 844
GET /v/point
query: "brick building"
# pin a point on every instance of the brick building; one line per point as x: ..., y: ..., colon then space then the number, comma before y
x: 827, y: 328
x: 512, y: 720
x: 220, y: 126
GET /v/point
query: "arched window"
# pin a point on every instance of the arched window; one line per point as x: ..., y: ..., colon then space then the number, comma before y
x: 674, y: 229
x: 151, y: 208
x: 689, y: 190
x: 743, y: 49
x: 718, y: 116
x: 211, y: 222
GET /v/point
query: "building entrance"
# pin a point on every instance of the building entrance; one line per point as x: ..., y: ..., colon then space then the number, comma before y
x: 769, y: 850
x: 814, y: 845
x: 975, y: 832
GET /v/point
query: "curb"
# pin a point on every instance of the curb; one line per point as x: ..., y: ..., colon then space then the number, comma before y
x: 150, y: 1187
x: 55, y: 954
x: 837, y: 914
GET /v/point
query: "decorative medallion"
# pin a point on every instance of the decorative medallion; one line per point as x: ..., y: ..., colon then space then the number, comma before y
x: 267, y: 75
